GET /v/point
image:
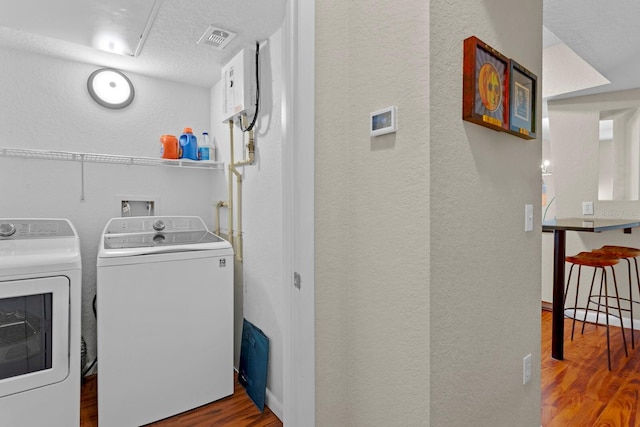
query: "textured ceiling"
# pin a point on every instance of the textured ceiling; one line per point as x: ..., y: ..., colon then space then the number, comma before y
x: 170, y: 50
x: 605, y: 34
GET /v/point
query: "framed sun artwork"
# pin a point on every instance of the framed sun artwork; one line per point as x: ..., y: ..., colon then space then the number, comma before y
x: 485, y: 85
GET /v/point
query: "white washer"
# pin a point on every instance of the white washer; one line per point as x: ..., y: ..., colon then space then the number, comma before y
x: 165, y: 319
x: 40, y: 290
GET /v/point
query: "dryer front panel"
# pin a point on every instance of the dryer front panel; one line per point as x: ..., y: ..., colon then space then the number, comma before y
x: 34, y: 333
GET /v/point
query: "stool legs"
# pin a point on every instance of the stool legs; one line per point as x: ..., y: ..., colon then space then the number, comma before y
x: 626, y: 253
x: 597, y: 298
x: 631, y: 300
x: 599, y: 304
x: 633, y: 341
x: 575, y: 302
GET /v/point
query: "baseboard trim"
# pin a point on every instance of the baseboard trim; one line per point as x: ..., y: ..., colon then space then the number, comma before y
x: 548, y: 306
x: 274, y: 404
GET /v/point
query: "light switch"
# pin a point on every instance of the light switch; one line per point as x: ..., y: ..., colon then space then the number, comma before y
x: 587, y: 208
x: 528, y: 217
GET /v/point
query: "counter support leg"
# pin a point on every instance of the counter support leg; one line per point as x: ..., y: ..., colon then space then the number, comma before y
x: 557, y: 333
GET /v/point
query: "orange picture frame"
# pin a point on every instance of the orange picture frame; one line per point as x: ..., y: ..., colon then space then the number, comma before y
x: 485, y: 86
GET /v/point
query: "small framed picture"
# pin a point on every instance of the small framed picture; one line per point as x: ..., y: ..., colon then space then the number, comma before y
x: 522, y: 121
x: 485, y: 85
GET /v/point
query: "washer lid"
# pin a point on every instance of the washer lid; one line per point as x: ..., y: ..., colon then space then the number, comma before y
x: 151, y: 235
x: 150, y: 224
x: 153, y: 240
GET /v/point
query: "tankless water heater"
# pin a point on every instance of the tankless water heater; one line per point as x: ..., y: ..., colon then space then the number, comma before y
x: 239, y: 85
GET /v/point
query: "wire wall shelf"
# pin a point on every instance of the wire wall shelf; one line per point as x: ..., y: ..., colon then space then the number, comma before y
x: 107, y: 158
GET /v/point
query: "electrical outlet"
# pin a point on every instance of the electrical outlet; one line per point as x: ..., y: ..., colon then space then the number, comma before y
x: 526, y: 369
x: 587, y: 208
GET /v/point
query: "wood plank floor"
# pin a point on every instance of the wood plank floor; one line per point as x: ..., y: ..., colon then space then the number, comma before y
x: 236, y: 410
x: 580, y: 391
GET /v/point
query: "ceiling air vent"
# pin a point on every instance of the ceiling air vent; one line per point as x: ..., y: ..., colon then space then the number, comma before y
x: 216, y: 37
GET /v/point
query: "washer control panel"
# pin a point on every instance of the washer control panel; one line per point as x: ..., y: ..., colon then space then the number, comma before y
x: 158, y: 225
x: 156, y: 231
x: 7, y: 229
x: 19, y: 229
x: 149, y: 224
x: 148, y: 240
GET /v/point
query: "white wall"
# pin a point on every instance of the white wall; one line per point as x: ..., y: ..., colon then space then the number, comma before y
x: 259, y: 289
x: 633, y: 156
x: 576, y: 155
x: 573, y: 125
x: 45, y: 105
x: 606, y: 168
x: 547, y: 268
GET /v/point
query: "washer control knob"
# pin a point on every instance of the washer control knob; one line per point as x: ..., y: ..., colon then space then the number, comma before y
x: 158, y: 225
x: 7, y: 229
x: 158, y: 239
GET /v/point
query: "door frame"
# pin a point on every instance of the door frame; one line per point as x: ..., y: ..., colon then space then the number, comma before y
x: 298, y: 214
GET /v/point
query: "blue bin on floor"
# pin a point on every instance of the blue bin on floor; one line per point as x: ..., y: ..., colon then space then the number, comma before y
x: 254, y: 358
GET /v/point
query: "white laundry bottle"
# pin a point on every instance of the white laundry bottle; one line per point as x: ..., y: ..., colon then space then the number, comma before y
x: 206, y: 151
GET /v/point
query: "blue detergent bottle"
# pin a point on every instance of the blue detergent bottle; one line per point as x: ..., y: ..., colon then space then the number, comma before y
x: 189, y: 144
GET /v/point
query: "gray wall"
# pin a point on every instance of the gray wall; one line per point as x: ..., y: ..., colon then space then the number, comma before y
x: 372, y: 214
x: 427, y: 286
x: 485, y: 270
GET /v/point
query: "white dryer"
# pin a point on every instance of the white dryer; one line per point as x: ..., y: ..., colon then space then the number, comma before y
x: 40, y: 289
x: 165, y: 319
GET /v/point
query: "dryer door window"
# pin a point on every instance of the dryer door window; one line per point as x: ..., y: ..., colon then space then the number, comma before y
x: 25, y: 334
x: 34, y: 337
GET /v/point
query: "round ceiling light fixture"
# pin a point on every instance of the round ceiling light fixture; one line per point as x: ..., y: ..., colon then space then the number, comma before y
x: 110, y: 88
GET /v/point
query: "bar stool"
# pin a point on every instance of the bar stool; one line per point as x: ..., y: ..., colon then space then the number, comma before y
x: 626, y: 253
x: 598, y: 261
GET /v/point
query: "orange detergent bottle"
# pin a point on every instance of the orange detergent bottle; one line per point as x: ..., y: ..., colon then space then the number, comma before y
x: 170, y: 148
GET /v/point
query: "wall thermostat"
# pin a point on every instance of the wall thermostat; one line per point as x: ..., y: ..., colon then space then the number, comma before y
x: 383, y: 121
